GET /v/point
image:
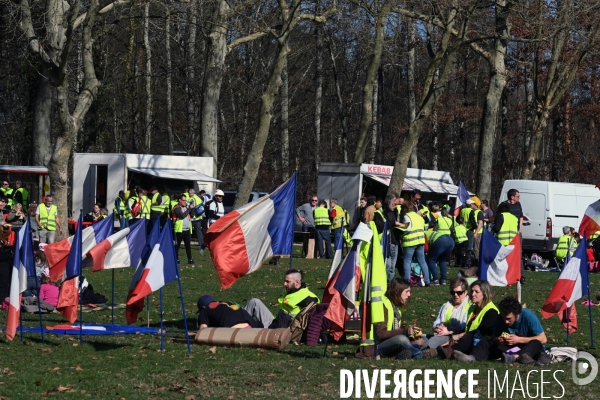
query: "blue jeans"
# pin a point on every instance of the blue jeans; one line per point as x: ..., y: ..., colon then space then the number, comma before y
x: 123, y: 222
x: 308, y: 228
x: 469, y: 256
x: 394, y: 345
x: 419, y: 250
x: 320, y: 235
x: 390, y: 262
x: 440, y: 251
x: 337, y: 233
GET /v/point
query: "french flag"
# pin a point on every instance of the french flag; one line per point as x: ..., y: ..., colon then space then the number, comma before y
x: 23, y: 265
x: 121, y: 250
x: 57, y: 253
x: 571, y: 285
x: 341, y: 288
x: 134, y: 308
x: 462, y: 195
x: 243, y: 239
x: 499, y: 265
x: 68, y: 298
x: 160, y: 269
x: 591, y: 219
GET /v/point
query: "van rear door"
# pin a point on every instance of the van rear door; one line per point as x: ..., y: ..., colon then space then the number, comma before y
x: 534, y: 220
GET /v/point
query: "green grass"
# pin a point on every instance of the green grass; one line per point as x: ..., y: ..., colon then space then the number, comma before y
x: 132, y: 367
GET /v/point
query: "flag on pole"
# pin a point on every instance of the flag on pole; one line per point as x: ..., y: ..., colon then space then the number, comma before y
x: 121, y: 250
x: 68, y: 298
x: 243, y: 239
x: 160, y: 269
x: 571, y: 285
x: 499, y: 265
x: 57, y: 253
x: 462, y: 195
x: 590, y: 222
x: 340, y: 290
x: 132, y: 310
x: 18, y: 284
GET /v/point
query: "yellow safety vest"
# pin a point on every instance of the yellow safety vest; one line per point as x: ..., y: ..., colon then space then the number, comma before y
x: 289, y: 302
x: 389, y: 324
x: 461, y: 233
x: 477, y: 321
x: 321, y: 216
x: 564, y: 247
x: 48, y: 220
x: 178, y: 225
x: 197, y: 201
x: 340, y: 216
x: 123, y: 207
x: 416, y: 235
x: 165, y: 203
x: 509, y: 229
x: 24, y: 196
x: 157, y: 199
x: 465, y: 212
x: 432, y: 236
x: 145, y: 207
x: 444, y: 224
x: 594, y: 235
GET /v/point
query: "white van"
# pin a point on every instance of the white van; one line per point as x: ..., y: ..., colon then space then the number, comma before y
x: 229, y: 198
x: 547, y: 207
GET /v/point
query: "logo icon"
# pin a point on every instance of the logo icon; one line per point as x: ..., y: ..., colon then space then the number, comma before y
x: 581, y: 365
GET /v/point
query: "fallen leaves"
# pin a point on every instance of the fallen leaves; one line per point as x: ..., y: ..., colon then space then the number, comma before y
x: 213, y: 350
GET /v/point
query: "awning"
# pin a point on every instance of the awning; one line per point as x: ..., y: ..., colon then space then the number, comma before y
x: 182, y: 174
x: 424, y: 185
x: 18, y: 169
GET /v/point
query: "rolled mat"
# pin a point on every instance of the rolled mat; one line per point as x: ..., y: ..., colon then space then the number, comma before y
x: 245, y: 337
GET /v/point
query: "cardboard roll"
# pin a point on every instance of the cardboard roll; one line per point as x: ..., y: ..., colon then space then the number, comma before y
x: 245, y: 337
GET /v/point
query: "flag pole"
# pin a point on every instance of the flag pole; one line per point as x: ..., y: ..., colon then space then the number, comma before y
x: 80, y: 291
x: 568, y: 323
x: 588, y: 292
x: 292, y: 241
x: 148, y: 311
x: 162, y: 338
x: 20, y: 318
x: 37, y: 282
x: 187, y: 334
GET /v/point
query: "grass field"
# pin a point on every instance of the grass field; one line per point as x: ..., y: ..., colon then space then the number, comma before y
x: 132, y: 367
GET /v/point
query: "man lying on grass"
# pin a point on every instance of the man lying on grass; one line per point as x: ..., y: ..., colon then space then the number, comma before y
x: 518, y: 337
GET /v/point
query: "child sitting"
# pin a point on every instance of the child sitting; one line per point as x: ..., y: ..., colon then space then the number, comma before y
x: 48, y: 291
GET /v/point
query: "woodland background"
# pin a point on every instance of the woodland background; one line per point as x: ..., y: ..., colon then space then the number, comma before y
x: 488, y: 90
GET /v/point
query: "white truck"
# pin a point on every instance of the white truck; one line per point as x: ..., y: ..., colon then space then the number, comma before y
x: 547, y: 208
x: 98, y: 177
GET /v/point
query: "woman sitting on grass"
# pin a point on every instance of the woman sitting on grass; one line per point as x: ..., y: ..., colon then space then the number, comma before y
x: 452, y: 317
x: 393, y: 338
x: 481, y: 318
x: 48, y: 290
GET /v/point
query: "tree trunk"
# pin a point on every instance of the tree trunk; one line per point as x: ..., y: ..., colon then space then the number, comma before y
x: 285, y: 139
x: 342, y: 140
x: 213, y: 79
x: 191, y: 77
x: 149, y: 99
x: 410, y: 76
x: 498, y: 74
x: 366, y: 116
x: 375, y: 124
x: 318, y: 94
x: 169, y: 72
x: 43, y: 110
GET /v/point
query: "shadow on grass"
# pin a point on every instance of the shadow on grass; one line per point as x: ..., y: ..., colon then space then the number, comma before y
x: 105, y: 346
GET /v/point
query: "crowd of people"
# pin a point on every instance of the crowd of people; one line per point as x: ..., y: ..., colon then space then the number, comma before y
x: 423, y: 234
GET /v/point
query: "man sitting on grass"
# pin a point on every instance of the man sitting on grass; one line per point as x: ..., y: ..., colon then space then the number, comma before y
x: 518, y: 337
x: 296, y: 298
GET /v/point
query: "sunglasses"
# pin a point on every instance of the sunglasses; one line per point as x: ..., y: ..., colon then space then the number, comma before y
x: 458, y: 292
x: 314, y: 201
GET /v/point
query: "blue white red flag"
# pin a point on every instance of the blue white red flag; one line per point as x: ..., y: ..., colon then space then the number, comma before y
x: 160, y: 269
x: 68, y: 298
x: 18, y: 284
x: 120, y: 250
x: 341, y: 289
x: 571, y: 285
x: 132, y: 310
x: 58, y: 252
x: 590, y: 222
x: 243, y: 239
x: 499, y: 265
x: 462, y: 195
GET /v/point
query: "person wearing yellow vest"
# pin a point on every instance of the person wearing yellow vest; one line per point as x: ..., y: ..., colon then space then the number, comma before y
x: 444, y: 222
x: 146, y: 205
x: 297, y: 297
x: 121, y: 211
x: 183, y: 227
x: 566, y: 245
x: 413, y: 242
x: 506, y: 225
x: 194, y: 201
x: 339, y: 220
x: 7, y: 192
x: 156, y: 208
x: 392, y: 214
x: 166, y: 207
x: 392, y: 338
x: 460, y: 242
x: 451, y: 318
x: 21, y: 195
x: 481, y: 319
x: 47, y: 221
x: 474, y: 225
x: 97, y: 214
x: 440, y: 248
x: 322, y: 225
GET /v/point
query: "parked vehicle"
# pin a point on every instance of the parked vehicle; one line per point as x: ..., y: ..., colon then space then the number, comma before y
x: 229, y: 198
x: 547, y: 207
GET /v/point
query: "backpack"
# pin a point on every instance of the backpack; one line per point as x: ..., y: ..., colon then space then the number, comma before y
x: 300, y: 323
x: 135, y: 210
x: 199, y: 209
x: 416, y: 275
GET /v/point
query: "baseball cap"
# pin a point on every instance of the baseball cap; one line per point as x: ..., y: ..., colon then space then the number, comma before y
x: 204, y: 301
